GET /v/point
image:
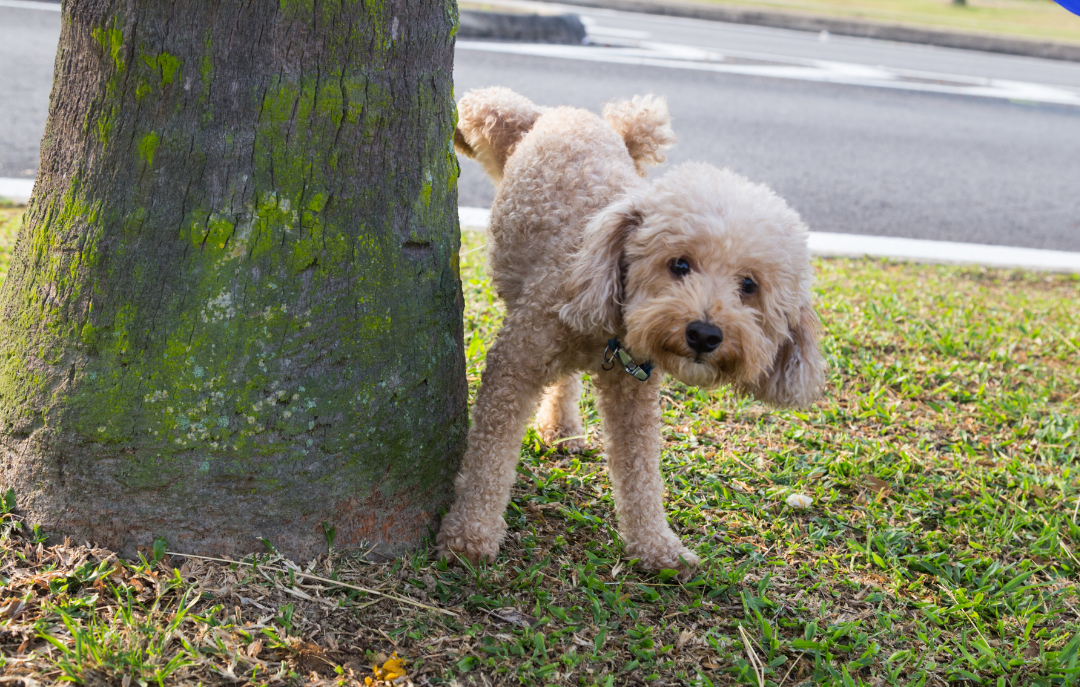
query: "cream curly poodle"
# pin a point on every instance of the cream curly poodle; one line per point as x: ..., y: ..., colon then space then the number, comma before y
x: 699, y: 274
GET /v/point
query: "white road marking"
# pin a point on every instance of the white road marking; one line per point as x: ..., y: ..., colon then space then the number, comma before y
x: 921, y: 250
x: 670, y: 56
x: 474, y: 217
x: 31, y: 5
x: 594, y: 29
x: 610, y: 32
x: 914, y: 250
x: 16, y: 190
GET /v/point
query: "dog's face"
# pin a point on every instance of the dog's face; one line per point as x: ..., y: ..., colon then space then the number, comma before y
x: 709, y: 276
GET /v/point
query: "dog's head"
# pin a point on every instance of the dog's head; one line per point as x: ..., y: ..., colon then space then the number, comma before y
x: 709, y: 276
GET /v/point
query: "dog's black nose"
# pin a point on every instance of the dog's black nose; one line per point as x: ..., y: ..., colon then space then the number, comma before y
x: 703, y: 337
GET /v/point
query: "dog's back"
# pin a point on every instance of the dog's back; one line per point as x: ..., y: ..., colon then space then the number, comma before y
x: 554, y: 168
x: 492, y: 121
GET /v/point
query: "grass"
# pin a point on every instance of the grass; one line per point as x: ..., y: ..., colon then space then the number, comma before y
x: 940, y: 547
x: 1037, y: 19
x: 10, y: 220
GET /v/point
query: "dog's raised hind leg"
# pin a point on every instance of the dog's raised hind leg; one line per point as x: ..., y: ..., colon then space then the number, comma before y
x: 509, y: 390
x: 630, y: 411
x: 558, y: 422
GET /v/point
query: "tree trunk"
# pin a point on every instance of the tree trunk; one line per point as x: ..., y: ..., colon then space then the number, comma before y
x: 234, y: 310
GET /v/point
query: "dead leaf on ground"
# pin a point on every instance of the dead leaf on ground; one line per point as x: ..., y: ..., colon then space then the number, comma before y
x: 392, y: 669
x: 684, y: 637
x: 309, y: 658
x: 1032, y: 650
x: 878, y: 485
x: 513, y: 617
x: 14, y: 608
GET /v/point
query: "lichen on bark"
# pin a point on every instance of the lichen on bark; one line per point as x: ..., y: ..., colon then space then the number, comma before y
x: 234, y: 310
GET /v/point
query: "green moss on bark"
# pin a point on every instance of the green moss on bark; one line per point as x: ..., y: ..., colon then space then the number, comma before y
x: 148, y: 145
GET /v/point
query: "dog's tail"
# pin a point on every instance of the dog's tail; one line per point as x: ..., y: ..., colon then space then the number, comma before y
x: 491, y: 121
x: 645, y: 125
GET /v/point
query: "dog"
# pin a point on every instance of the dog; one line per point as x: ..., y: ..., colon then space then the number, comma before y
x: 699, y: 274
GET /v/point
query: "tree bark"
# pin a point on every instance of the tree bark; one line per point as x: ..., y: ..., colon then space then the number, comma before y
x: 234, y: 310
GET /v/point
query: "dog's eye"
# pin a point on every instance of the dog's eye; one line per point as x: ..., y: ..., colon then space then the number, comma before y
x: 680, y: 267
x: 748, y: 286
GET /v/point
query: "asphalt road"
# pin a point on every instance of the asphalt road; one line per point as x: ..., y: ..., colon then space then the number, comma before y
x: 27, y: 48
x: 851, y: 158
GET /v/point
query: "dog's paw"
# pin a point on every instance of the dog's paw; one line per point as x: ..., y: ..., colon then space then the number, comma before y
x: 458, y: 540
x: 685, y: 561
x: 665, y: 553
x: 562, y: 439
x: 455, y: 551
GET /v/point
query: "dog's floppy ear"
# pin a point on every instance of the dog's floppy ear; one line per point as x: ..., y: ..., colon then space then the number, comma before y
x: 593, y: 287
x: 798, y: 371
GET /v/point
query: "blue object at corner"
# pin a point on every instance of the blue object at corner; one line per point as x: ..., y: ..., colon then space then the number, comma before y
x: 1071, y: 5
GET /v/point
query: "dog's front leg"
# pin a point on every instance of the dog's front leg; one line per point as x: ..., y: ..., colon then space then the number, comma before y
x: 509, y: 390
x: 630, y: 410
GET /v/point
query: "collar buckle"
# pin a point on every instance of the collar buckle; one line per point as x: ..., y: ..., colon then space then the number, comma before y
x: 616, y: 353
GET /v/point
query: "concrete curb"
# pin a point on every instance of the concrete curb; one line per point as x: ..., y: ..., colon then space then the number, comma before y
x: 566, y: 29
x: 844, y: 27
x: 829, y: 245
x: 16, y: 190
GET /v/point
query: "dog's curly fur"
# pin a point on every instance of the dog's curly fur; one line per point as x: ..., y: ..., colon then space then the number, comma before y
x: 581, y: 249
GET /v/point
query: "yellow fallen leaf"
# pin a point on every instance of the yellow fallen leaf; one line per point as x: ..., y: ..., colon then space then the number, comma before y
x: 393, y: 668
